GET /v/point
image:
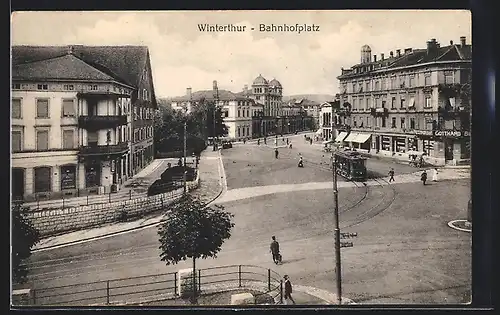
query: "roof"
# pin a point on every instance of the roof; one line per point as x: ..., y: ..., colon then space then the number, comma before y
x: 223, y: 95
x: 124, y: 63
x: 454, y: 52
x: 260, y: 80
x: 275, y: 82
x: 63, y: 67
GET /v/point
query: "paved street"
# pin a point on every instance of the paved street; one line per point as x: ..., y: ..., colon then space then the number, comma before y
x: 404, y: 252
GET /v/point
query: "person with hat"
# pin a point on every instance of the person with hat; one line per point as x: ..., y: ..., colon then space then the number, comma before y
x: 288, y: 290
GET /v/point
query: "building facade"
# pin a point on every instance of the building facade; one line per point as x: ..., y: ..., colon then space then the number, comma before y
x: 72, y: 120
x: 415, y: 100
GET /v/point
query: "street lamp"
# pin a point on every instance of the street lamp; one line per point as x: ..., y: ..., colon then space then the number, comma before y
x: 216, y: 98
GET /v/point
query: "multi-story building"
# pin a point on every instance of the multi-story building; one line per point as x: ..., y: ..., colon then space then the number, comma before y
x: 311, y: 109
x: 72, y: 118
x: 415, y: 100
x: 237, y: 110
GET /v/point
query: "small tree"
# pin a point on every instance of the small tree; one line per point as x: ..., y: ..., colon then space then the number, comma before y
x: 24, y: 236
x: 193, y: 230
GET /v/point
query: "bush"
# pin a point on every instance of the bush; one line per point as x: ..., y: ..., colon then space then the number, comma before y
x: 187, y: 286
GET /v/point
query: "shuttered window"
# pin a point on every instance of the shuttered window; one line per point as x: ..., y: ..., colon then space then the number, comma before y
x: 42, y: 108
x: 16, y: 108
x: 42, y: 140
x: 17, y: 141
x: 68, y: 108
x: 68, y: 139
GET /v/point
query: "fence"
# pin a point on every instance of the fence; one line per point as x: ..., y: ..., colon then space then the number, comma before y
x: 160, y: 287
x: 82, y: 197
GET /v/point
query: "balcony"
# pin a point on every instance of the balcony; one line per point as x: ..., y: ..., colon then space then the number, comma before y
x: 380, y: 111
x: 101, y: 122
x: 103, y: 150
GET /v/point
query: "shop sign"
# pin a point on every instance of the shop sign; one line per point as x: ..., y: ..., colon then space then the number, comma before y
x: 451, y: 133
x: 423, y: 132
x: 68, y: 177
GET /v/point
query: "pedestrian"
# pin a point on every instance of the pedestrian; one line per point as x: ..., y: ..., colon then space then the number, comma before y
x: 423, y: 177
x: 287, y: 141
x: 276, y: 153
x: 288, y: 290
x: 265, y: 140
x: 391, y: 174
x: 244, y: 140
x: 258, y: 141
x: 435, y: 174
x: 274, y: 248
x: 310, y: 141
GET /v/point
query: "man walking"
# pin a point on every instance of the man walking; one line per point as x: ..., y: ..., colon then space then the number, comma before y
x: 423, y: 177
x: 275, y: 250
x: 276, y: 153
x: 288, y: 290
x: 391, y: 175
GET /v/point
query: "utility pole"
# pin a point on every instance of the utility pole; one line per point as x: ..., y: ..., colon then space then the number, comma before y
x: 338, y: 273
x: 216, y: 98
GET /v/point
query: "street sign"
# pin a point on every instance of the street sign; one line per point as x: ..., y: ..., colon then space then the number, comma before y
x: 346, y: 244
x: 348, y: 235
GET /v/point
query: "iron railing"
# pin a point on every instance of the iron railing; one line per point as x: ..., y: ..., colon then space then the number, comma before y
x: 161, y: 287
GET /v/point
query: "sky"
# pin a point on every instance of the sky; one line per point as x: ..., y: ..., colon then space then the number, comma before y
x: 183, y: 56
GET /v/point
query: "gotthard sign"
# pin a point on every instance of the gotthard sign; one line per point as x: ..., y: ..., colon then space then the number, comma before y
x: 451, y: 133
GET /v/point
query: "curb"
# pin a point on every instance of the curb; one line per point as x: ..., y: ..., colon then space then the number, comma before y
x: 451, y: 224
x: 84, y: 240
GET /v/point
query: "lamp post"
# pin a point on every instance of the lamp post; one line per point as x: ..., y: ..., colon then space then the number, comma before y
x: 185, y: 153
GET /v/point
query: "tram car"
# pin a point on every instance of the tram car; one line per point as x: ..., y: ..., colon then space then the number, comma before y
x: 351, y: 165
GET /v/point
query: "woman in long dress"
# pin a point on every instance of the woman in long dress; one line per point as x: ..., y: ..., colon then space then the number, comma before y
x: 435, y: 175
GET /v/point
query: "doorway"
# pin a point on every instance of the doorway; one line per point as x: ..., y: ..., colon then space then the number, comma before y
x: 448, y: 150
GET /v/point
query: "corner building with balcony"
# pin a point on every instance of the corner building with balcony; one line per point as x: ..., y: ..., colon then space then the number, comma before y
x: 415, y: 100
x: 81, y: 119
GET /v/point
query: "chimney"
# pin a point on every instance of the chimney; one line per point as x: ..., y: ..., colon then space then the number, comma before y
x: 374, y: 58
x: 382, y: 56
x: 462, y: 41
x: 451, y: 42
x: 188, y: 93
x: 398, y: 52
x: 391, y: 54
x: 215, y: 85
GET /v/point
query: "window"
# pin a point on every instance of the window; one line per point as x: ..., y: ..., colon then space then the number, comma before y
x: 17, y: 140
x: 393, y: 83
x: 16, y: 86
x: 16, y: 108
x: 383, y: 86
x: 402, y: 103
x: 452, y: 102
x: 411, y: 82
x: 383, y: 104
x: 145, y: 94
x: 393, y: 122
x: 402, y: 123
x: 449, y: 77
x: 68, y: 108
x: 355, y: 122
x: 42, y: 108
x: 427, y: 79
x: 238, y: 113
x: 368, y: 122
x: 93, y: 87
x: 42, y: 140
x: 42, y: 87
x: 377, y: 85
x: 367, y: 103
x: 68, y: 177
x: 92, y: 138
x: 68, y: 139
x: 42, y: 180
x: 412, y: 123
x: 135, y: 113
x: 248, y: 112
x: 68, y: 87
x: 367, y: 86
x: 402, y: 81
x: 393, y: 103
x: 383, y: 122
x: 428, y: 102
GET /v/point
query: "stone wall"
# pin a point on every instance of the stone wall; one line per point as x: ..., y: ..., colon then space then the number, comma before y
x: 59, y: 221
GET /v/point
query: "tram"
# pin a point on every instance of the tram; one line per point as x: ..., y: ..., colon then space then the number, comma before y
x: 351, y: 165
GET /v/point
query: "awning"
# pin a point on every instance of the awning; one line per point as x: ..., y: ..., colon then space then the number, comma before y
x: 341, y: 136
x: 362, y: 137
x: 351, y: 137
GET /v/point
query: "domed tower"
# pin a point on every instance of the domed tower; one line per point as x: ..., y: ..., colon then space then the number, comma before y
x: 260, y: 91
x: 366, y: 54
x: 276, y: 97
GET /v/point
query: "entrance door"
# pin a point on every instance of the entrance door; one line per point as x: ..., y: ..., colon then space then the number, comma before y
x: 92, y: 175
x: 377, y: 143
x: 448, y: 150
x: 17, y: 184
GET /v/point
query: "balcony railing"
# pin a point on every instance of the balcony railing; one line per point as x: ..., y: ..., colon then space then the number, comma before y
x: 380, y: 111
x: 99, y: 122
x: 111, y: 149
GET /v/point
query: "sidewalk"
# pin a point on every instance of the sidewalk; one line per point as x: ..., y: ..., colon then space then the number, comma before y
x: 209, y: 189
x: 134, y: 187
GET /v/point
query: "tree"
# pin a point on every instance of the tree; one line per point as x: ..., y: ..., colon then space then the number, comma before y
x: 24, y: 237
x: 203, y: 115
x: 194, y: 231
